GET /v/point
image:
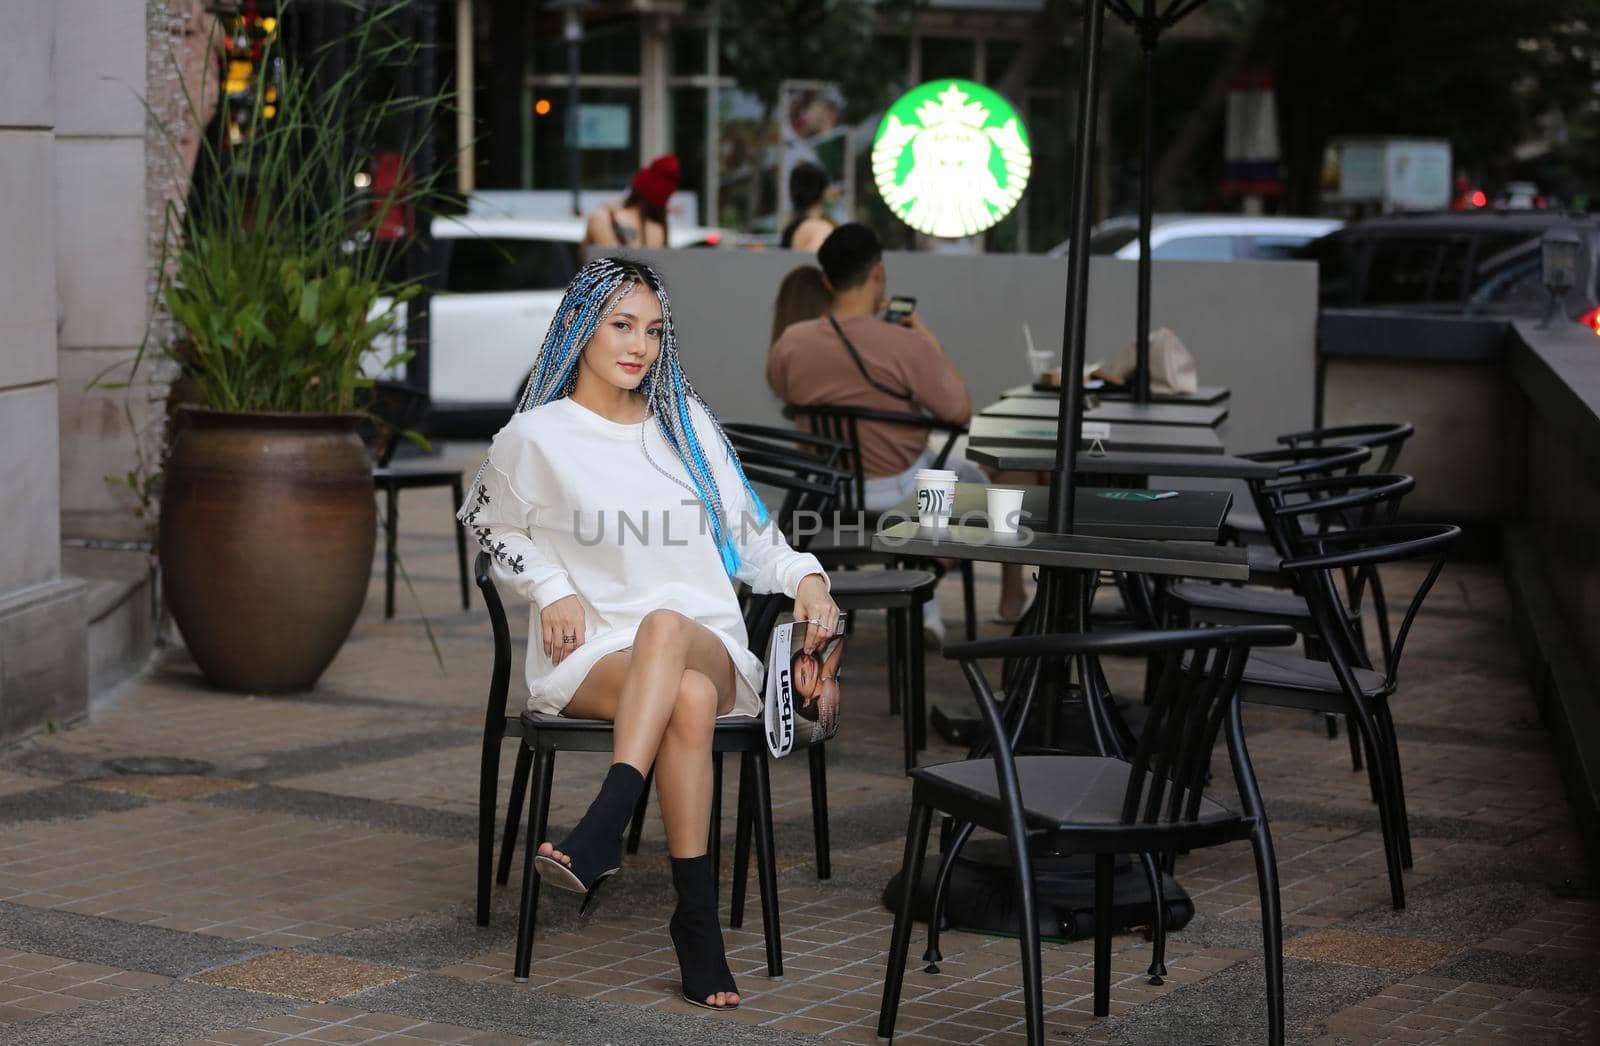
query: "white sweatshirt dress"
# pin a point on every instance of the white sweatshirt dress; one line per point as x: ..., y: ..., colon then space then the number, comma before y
x: 571, y: 504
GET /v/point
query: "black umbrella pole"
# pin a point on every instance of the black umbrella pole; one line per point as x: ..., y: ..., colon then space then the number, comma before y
x: 1147, y: 193
x: 1074, y: 328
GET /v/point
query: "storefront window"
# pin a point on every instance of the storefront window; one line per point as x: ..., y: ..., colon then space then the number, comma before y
x: 687, y: 134
x: 609, y: 152
x: 947, y: 56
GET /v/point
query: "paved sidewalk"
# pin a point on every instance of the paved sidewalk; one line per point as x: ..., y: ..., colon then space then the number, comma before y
x: 315, y: 881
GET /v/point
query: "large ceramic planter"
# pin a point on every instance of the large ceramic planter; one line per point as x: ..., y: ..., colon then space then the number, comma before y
x: 267, y: 531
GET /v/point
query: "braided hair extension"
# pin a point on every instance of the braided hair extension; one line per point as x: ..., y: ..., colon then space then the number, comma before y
x: 591, y: 296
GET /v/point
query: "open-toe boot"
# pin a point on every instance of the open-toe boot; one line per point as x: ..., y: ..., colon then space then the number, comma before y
x: 697, y: 935
x: 594, y: 847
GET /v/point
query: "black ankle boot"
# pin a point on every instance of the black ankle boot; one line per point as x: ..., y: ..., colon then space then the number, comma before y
x: 697, y: 935
x: 595, y: 846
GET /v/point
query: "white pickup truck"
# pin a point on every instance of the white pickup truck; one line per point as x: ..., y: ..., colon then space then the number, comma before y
x: 502, y: 281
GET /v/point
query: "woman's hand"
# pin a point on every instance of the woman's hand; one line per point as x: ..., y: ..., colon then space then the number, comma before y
x: 812, y: 603
x: 563, y: 628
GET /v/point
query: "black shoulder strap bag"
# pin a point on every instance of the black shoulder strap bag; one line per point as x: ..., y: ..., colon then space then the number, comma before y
x: 862, y: 367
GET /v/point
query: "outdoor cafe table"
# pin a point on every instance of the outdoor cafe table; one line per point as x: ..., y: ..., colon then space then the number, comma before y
x: 1041, y: 457
x: 1151, y: 439
x: 1204, y: 395
x: 1192, y: 515
x: 1202, y: 415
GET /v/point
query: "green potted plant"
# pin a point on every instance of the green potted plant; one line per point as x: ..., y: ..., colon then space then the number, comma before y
x: 278, y: 290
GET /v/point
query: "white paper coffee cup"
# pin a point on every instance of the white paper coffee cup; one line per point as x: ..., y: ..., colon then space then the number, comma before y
x: 1005, y: 509
x: 936, y: 497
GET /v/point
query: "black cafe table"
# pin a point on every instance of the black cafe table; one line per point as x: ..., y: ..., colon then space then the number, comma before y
x: 1188, y: 515
x: 1204, y: 395
x: 1125, y: 411
x: 1040, y: 456
x: 1107, y: 436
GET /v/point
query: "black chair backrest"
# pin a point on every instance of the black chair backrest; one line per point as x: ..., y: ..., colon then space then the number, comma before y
x: 770, y: 438
x: 1305, y: 507
x: 843, y: 425
x: 1385, y: 438
x: 500, y: 676
x: 1196, y: 696
x: 1323, y: 556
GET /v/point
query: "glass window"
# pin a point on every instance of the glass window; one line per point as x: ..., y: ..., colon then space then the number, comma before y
x: 1401, y: 271
x: 1332, y: 255
x: 893, y: 54
x: 1113, y: 240
x: 610, y: 45
x: 483, y: 264
x: 944, y: 56
x: 1505, y: 272
x: 688, y: 51
x: 688, y: 137
x: 997, y: 58
x: 610, y: 166
x: 1195, y: 248
x: 1272, y: 247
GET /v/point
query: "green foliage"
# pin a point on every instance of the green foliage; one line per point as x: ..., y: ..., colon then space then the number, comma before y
x: 276, y: 273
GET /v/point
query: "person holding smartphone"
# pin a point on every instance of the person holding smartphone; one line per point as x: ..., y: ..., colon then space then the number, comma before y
x: 869, y: 350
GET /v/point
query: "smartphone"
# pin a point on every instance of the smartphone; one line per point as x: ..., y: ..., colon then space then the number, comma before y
x: 899, y: 308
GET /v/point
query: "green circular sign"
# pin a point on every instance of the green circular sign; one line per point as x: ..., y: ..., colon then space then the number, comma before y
x: 951, y: 158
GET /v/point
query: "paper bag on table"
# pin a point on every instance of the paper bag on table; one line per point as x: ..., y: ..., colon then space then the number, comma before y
x: 1172, y: 368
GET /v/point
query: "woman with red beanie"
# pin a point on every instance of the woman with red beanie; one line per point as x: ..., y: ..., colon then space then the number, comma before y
x: 641, y: 221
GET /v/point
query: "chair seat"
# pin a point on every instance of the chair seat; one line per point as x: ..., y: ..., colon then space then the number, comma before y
x: 1231, y: 602
x: 388, y: 475
x: 845, y: 584
x: 1281, y: 670
x: 558, y: 733
x: 1057, y: 791
x: 847, y: 545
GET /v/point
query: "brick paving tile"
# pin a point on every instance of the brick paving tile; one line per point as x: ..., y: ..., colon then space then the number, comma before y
x: 200, y: 861
x: 32, y: 984
x: 318, y: 1024
x: 1482, y: 787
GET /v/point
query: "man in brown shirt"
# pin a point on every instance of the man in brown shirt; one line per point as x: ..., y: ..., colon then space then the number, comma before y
x: 902, y: 367
x: 906, y: 367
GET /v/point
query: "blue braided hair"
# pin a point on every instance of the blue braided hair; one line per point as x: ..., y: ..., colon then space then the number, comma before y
x: 591, y: 296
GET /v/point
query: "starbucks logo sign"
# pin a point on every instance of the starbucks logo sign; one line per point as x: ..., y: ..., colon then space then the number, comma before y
x: 951, y: 158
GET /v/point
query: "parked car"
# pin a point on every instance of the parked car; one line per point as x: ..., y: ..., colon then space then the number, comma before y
x: 1478, y: 263
x: 1206, y: 237
x: 501, y: 284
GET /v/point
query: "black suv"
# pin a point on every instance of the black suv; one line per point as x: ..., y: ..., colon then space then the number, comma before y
x: 1474, y: 264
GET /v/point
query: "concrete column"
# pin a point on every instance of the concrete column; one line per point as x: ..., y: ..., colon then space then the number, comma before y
x: 103, y: 223
x: 654, y: 93
x: 43, y: 671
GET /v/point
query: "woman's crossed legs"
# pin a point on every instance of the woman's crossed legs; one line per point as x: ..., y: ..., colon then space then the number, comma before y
x: 663, y: 696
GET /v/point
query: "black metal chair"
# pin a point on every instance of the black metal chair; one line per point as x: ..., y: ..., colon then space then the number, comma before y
x: 1384, y: 438
x: 1150, y: 803
x: 1293, y: 510
x: 843, y: 425
x: 1346, y: 682
x: 395, y: 410
x: 542, y: 736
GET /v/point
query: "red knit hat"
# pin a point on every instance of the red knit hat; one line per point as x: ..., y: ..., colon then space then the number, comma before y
x: 658, y: 181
